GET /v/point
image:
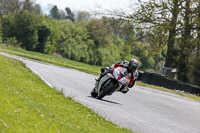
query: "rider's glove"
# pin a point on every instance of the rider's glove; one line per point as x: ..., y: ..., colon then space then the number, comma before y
x: 112, y: 66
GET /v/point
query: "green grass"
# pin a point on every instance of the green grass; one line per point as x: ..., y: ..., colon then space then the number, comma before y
x: 184, y: 94
x: 28, y: 105
x: 80, y: 66
x: 52, y: 60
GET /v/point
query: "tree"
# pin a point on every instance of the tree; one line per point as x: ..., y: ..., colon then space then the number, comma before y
x: 83, y: 16
x: 0, y: 32
x: 8, y: 25
x: 15, y: 6
x: 62, y: 14
x: 70, y: 14
x: 74, y: 42
x: 54, y: 13
x: 43, y: 34
x: 194, y: 71
x: 25, y: 30
x: 198, y: 30
x: 171, y: 60
x: 162, y: 15
x: 7, y: 6
x: 182, y: 26
x: 30, y: 6
x: 185, y: 44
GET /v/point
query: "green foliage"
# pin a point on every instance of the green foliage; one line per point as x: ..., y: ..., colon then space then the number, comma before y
x: 74, y: 42
x: 43, y: 34
x: 54, y: 13
x: 12, y: 41
x: 83, y: 16
x: 26, y: 30
x: 70, y: 14
x: 23, y: 26
x: 31, y: 31
x: 109, y: 55
x: 107, y: 45
x: 54, y: 36
x: 146, y: 58
x: 8, y: 25
x: 0, y: 32
x: 31, y: 6
x: 99, y: 32
x: 15, y: 6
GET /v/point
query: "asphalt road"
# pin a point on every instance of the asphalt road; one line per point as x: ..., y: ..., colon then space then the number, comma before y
x: 143, y: 110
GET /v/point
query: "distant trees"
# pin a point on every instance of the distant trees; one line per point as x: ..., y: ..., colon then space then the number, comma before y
x: 83, y: 16
x: 74, y: 42
x: 15, y: 6
x: 31, y: 6
x: 9, y: 6
x: 54, y: 13
x: 70, y: 14
x: 27, y: 28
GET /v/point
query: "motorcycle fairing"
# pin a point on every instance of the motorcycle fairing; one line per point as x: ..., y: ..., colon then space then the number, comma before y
x: 105, y: 78
x: 120, y: 74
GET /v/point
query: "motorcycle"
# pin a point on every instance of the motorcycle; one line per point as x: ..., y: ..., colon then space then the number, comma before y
x: 110, y: 83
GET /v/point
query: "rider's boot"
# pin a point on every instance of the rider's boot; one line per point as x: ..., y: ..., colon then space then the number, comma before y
x: 124, y: 89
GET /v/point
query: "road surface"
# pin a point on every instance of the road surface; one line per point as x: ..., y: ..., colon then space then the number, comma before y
x: 143, y: 110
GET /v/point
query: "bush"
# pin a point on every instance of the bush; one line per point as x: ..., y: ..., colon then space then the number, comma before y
x: 12, y: 41
x: 0, y: 33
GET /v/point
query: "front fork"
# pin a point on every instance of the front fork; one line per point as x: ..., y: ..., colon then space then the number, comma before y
x: 104, y: 79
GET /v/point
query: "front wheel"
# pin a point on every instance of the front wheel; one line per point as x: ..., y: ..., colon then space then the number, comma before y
x: 106, y: 89
x: 93, y: 93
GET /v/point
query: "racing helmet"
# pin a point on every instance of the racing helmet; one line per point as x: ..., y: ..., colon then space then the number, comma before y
x: 133, y: 64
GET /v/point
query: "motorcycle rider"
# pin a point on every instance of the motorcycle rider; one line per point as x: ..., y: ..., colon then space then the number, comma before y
x: 132, y: 73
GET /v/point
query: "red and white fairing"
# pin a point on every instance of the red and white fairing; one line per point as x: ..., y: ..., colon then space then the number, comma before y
x: 119, y: 74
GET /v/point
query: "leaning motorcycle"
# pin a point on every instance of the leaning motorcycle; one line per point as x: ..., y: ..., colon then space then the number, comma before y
x: 110, y: 83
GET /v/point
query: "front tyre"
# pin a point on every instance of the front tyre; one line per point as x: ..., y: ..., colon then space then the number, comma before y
x: 93, y: 93
x: 107, y: 89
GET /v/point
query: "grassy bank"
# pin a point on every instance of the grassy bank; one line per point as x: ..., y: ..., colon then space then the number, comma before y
x: 80, y: 66
x: 184, y: 94
x: 27, y: 104
x: 52, y: 60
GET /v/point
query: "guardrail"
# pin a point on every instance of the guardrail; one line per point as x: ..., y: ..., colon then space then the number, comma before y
x: 163, y: 81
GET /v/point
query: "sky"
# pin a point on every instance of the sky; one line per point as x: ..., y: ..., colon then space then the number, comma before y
x: 86, y: 5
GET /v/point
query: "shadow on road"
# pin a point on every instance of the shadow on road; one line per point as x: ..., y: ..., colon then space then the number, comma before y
x: 106, y: 100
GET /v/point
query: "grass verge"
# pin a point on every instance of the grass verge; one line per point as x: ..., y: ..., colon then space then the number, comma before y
x: 52, y: 60
x: 184, y: 94
x: 27, y: 104
x: 80, y: 66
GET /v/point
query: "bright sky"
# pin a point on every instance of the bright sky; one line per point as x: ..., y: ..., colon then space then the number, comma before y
x: 86, y: 5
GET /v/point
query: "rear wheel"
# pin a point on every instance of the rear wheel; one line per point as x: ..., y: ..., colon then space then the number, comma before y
x: 93, y: 93
x: 106, y: 89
